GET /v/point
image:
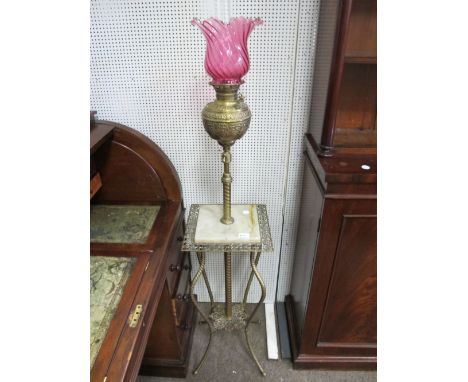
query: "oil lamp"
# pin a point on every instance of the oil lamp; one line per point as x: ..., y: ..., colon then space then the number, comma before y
x: 228, y: 117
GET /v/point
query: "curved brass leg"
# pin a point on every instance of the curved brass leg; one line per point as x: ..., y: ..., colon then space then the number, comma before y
x: 207, y: 283
x: 247, y: 289
x: 253, y: 264
x: 201, y: 270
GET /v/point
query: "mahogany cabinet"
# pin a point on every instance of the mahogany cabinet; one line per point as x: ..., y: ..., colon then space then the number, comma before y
x: 331, y: 309
x: 332, y: 305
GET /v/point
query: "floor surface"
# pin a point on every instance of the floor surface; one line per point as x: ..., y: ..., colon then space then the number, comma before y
x: 228, y: 360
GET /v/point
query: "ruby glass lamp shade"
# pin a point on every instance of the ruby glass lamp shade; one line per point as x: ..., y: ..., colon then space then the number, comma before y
x: 227, y: 58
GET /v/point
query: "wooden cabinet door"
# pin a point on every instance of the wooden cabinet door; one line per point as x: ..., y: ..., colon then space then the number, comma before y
x: 342, y: 314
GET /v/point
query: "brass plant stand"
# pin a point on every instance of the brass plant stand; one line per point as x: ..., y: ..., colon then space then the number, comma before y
x: 249, y: 233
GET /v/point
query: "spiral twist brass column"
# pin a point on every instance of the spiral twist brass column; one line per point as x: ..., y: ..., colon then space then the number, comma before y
x: 227, y: 180
x: 226, y: 120
x: 228, y: 284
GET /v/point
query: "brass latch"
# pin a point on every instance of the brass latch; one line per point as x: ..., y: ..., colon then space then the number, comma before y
x: 135, y: 316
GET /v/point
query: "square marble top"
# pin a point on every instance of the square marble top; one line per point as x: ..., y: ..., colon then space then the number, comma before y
x: 250, y: 231
x: 245, y: 228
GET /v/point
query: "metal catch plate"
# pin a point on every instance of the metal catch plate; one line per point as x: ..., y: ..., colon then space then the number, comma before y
x: 135, y: 316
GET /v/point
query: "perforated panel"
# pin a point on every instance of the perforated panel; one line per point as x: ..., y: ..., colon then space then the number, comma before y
x: 303, y: 79
x: 324, y: 50
x: 147, y: 73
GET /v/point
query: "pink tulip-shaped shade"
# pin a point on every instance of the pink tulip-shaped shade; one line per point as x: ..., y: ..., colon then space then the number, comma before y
x: 227, y: 58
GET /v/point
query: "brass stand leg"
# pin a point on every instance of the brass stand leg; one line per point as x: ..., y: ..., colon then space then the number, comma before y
x: 207, y: 283
x: 253, y: 264
x: 227, y: 180
x: 247, y: 289
x: 228, y: 284
x: 201, y: 270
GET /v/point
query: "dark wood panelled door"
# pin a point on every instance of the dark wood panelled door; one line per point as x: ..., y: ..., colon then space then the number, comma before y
x: 344, y: 318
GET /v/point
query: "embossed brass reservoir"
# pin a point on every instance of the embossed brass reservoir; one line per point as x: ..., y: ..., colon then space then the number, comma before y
x: 226, y: 120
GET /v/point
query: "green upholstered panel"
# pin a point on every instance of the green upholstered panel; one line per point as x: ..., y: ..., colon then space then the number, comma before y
x: 122, y: 223
x: 109, y: 276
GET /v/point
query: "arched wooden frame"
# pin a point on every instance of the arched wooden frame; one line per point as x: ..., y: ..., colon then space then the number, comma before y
x: 134, y: 169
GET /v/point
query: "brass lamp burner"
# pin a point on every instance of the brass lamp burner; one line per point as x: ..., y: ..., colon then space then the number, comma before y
x: 226, y: 119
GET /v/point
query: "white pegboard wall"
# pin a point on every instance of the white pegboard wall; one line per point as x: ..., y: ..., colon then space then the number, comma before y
x: 303, y: 79
x: 147, y: 73
x: 324, y: 50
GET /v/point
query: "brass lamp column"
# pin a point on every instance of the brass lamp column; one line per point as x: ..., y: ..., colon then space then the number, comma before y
x: 226, y: 120
x: 227, y: 180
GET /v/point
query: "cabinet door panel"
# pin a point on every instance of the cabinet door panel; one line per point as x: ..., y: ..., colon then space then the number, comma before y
x: 349, y: 317
x: 342, y: 302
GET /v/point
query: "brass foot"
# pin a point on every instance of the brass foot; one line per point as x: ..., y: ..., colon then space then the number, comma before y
x: 253, y: 354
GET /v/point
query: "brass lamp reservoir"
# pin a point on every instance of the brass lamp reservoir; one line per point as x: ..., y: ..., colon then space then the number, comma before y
x: 226, y: 120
